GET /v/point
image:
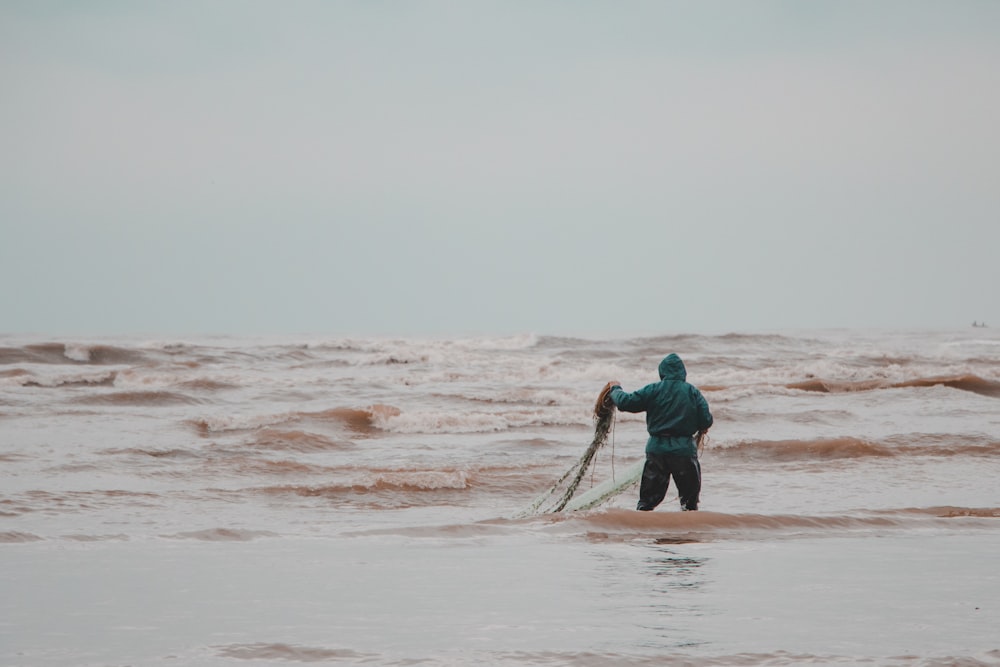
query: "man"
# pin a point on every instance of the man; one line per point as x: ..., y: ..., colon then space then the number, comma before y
x: 675, y: 412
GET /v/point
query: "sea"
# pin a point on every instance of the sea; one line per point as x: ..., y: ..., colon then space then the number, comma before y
x: 239, y: 501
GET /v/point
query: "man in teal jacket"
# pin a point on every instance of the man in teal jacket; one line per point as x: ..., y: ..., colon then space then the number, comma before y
x: 675, y: 412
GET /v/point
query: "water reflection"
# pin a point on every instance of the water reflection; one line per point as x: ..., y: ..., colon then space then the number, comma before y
x: 675, y: 570
x: 675, y: 601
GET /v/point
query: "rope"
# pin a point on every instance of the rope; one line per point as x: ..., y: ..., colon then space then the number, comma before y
x: 701, y: 439
x: 613, y: 422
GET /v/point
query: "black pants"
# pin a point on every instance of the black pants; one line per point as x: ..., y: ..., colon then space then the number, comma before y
x: 656, y: 475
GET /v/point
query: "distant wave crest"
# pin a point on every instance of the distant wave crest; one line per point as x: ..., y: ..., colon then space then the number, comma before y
x: 825, y: 449
x: 971, y: 383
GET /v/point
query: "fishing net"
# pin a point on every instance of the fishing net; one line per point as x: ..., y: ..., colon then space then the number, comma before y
x: 560, y: 494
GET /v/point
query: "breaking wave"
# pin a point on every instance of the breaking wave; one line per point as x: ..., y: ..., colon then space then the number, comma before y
x: 970, y: 383
x: 363, y: 421
x: 825, y: 449
x: 799, y: 450
x: 106, y: 379
x: 138, y: 398
x: 69, y: 353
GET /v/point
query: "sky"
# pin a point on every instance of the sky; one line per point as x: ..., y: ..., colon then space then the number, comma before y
x: 493, y: 168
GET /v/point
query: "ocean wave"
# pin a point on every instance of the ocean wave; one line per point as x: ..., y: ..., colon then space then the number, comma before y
x: 295, y: 441
x: 490, y: 421
x: 826, y: 449
x: 823, y: 449
x: 235, y: 423
x: 448, y: 422
x: 207, y: 384
x: 631, y: 521
x: 949, y: 512
x: 222, y: 535
x: 58, y: 502
x: 401, y: 358
x: 289, y: 653
x: 175, y: 453
x: 371, y: 420
x: 417, y: 480
x: 375, y: 418
x: 252, y: 466
x: 377, y: 351
x: 221, y: 461
x: 403, y: 480
x: 747, y: 659
x: 403, y: 488
x: 702, y: 525
x: 666, y: 527
x: 70, y: 353
x: 14, y: 537
x: 138, y: 398
x: 362, y: 421
x: 966, y: 382
x: 474, y: 344
x: 86, y: 379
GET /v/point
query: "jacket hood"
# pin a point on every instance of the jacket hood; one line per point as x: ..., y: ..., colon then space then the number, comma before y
x: 672, y: 368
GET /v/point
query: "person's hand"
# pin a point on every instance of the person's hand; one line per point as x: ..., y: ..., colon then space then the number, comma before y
x: 614, y: 383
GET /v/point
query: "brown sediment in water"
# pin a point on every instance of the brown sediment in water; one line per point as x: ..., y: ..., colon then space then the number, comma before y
x: 681, y: 527
x: 222, y: 535
x: 289, y: 653
x: 411, y: 481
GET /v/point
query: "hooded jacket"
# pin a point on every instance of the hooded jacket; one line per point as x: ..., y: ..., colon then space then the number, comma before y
x: 675, y: 410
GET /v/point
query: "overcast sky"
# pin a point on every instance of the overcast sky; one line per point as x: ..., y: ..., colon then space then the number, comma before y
x: 438, y: 168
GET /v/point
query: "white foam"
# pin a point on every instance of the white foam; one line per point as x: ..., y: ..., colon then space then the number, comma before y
x: 224, y: 423
x: 422, y: 479
x: 77, y: 352
x: 61, y: 379
x: 482, y: 421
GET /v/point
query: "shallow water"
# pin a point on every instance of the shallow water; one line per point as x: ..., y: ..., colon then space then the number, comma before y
x: 244, y: 501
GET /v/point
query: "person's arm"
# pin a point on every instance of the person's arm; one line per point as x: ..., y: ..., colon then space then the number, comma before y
x: 634, y: 402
